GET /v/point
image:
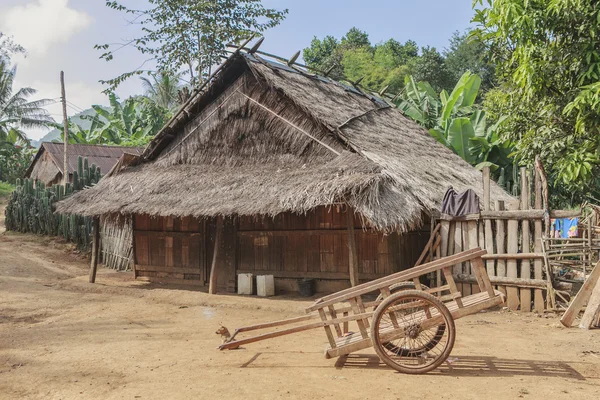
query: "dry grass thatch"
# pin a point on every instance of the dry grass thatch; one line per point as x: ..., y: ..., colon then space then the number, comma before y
x: 264, y: 139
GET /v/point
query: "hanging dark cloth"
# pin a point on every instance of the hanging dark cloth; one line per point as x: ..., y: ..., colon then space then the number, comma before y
x: 460, y: 204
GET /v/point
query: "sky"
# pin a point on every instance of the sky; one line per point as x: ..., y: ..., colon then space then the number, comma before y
x: 61, y: 34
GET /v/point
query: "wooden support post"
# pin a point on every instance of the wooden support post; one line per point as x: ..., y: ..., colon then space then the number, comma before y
x: 512, y: 293
x: 538, y: 294
x: 525, y: 293
x: 356, y: 310
x: 352, y: 255
x: 328, y: 332
x: 169, y: 256
x: 212, y: 286
x: 333, y: 314
x: 95, y: 247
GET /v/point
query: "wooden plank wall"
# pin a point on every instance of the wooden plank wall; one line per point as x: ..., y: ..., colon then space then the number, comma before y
x: 172, y: 250
x: 315, y: 245
x: 291, y: 246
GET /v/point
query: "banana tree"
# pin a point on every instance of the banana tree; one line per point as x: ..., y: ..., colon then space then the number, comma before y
x: 130, y: 123
x: 487, y: 148
x: 119, y: 121
x: 455, y: 121
x: 420, y: 102
x: 457, y: 117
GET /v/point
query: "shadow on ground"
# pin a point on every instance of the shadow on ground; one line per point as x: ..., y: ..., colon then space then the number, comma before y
x: 475, y: 366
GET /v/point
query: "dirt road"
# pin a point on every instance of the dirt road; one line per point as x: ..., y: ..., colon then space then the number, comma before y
x: 62, y: 338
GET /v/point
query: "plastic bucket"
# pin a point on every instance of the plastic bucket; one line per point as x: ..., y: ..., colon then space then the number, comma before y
x: 306, y: 287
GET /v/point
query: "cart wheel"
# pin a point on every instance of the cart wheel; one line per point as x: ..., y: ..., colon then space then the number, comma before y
x: 428, y: 346
x: 425, y: 327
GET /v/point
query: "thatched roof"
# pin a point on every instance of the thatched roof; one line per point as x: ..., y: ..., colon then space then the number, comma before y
x: 265, y: 138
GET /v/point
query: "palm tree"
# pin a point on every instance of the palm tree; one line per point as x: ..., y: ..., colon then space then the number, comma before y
x: 163, y: 89
x: 16, y: 112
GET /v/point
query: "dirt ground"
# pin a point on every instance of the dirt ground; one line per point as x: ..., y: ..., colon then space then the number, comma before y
x: 63, y: 338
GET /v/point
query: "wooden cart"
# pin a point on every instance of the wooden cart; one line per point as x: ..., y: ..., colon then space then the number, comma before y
x: 411, y: 327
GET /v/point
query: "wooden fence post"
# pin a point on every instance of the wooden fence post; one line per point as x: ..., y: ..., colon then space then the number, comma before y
x: 489, y: 233
x: 352, y: 256
x: 212, y: 286
x: 525, y: 293
x: 512, y: 227
x: 500, y: 244
x: 472, y: 234
x: 538, y: 294
x: 95, y: 246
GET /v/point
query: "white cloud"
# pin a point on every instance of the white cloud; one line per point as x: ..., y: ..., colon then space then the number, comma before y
x: 40, y: 24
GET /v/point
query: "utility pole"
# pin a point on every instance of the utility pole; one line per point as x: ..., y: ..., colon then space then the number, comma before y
x: 65, y: 127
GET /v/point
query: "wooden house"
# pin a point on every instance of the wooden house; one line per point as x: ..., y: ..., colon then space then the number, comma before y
x: 48, y: 164
x: 280, y: 171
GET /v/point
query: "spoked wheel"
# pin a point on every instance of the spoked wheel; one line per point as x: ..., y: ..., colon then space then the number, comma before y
x: 412, y: 332
x: 427, y: 346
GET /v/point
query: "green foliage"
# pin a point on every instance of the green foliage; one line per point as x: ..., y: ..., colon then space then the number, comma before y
x: 377, y: 68
x: 14, y: 160
x: 133, y: 122
x: 354, y: 57
x: 6, y: 189
x: 548, y: 63
x: 15, y: 111
x: 190, y: 34
x: 431, y: 67
x: 8, y: 47
x: 421, y: 103
x: 456, y: 121
x: 355, y: 38
x: 467, y: 53
x: 323, y: 54
x: 31, y: 207
x: 163, y: 89
x: 386, y: 64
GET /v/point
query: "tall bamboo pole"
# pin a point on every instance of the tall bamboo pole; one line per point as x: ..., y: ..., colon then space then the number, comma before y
x: 63, y: 97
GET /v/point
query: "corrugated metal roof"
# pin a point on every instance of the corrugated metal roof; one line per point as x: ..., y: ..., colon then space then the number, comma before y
x: 104, y: 157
